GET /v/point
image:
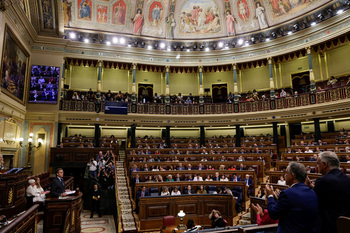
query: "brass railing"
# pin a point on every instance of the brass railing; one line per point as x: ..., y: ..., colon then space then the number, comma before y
x: 218, y: 108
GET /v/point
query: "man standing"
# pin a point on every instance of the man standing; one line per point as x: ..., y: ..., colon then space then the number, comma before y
x: 92, y: 168
x: 332, y: 190
x: 297, y: 206
x: 95, y: 201
x: 58, y: 187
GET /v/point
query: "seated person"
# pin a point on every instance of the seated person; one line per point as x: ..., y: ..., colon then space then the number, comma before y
x: 35, y: 190
x: 262, y: 216
x: 165, y: 192
x: 217, y: 220
x: 176, y: 191
x: 201, y: 190
x: 281, y: 181
x: 190, y: 226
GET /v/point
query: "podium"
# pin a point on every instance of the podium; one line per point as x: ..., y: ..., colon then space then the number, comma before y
x: 63, y: 215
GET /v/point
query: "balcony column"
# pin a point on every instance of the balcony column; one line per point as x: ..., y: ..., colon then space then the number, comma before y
x: 238, y: 135
x: 133, y: 90
x: 99, y: 83
x: 202, y: 135
x: 272, y: 85
x: 275, y: 135
x: 317, y: 129
x: 167, y: 136
x: 167, y: 90
x: 201, y: 91
x: 235, y: 88
x: 312, y: 77
x: 63, y: 79
x: 97, y: 135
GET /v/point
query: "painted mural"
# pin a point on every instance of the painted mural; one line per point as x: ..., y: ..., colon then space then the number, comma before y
x: 182, y: 19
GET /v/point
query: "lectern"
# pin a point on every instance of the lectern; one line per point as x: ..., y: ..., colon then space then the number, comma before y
x: 57, y: 210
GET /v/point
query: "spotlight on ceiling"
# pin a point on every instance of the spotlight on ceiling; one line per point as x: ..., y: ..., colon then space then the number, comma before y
x: 115, y: 40
x: 261, y: 38
x: 267, y: 39
x: 149, y: 47
x: 201, y: 47
x: 162, y: 45
x: 296, y: 27
x: 330, y: 12
x: 155, y: 46
x: 233, y: 44
x: 102, y: 41
x: 86, y: 40
x: 221, y: 44
x: 188, y: 49
x: 313, y: 24
x: 175, y: 47
x: 347, y: 2
x: 108, y: 43
x: 320, y: 17
x: 227, y: 46
x: 194, y: 47
x: 143, y: 44
x: 129, y: 44
x: 136, y: 43
x: 280, y: 31
x: 339, y: 12
x: 168, y: 49
x: 178, y: 56
x: 240, y: 41
x: 72, y: 35
x: 274, y: 35
x: 182, y: 47
x: 122, y: 40
x: 305, y: 25
x: 207, y: 49
x: 252, y: 39
x: 64, y: 36
x: 290, y: 33
x: 214, y: 46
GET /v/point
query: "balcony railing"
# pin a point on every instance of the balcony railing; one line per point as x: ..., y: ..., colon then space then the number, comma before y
x: 218, y: 108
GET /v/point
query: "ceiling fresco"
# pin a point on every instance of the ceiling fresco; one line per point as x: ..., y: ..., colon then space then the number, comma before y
x: 183, y: 19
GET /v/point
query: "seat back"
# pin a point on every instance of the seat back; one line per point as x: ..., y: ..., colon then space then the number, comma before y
x: 211, y: 189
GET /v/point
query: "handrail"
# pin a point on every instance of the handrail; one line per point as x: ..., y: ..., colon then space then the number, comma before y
x: 330, y: 95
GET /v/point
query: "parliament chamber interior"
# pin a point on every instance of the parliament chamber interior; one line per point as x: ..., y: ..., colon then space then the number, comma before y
x: 169, y: 115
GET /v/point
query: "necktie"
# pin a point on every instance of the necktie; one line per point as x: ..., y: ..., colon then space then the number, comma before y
x: 143, y: 194
x: 62, y: 182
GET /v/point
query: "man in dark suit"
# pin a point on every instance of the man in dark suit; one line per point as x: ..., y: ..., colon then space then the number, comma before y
x: 332, y: 190
x: 297, y: 206
x: 57, y: 187
x: 143, y: 192
x: 95, y: 201
x: 249, y: 183
x: 235, y: 178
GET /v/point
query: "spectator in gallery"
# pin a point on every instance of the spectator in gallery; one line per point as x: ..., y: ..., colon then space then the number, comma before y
x: 332, y: 80
x: 49, y: 86
x: 283, y: 93
x: 35, y: 95
x: 45, y: 94
x: 75, y: 96
x: 53, y: 95
x: 41, y: 80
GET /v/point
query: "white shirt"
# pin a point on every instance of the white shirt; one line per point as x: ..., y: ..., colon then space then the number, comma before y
x: 309, y: 151
x: 198, y: 178
x: 165, y: 194
x: 92, y: 166
x: 226, y: 179
x: 175, y: 193
x: 280, y: 182
x: 33, y: 191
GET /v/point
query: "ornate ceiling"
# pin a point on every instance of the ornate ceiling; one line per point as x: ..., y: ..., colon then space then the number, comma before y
x: 183, y: 19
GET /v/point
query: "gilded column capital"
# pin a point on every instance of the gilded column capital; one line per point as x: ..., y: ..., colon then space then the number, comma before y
x: 167, y: 68
x: 308, y: 49
x: 134, y: 66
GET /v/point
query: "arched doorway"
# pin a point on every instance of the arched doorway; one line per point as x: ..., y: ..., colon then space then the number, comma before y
x: 219, y: 93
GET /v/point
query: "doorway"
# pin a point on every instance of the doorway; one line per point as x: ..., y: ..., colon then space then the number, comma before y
x: 219, y: 93
x: 301, y: 82
x: 145, y: 92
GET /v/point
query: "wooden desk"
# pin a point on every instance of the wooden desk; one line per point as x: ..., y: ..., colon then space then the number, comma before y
x: 56, y: 211
x: 24, y: 223
x: 12, y: 193
x: 197, y: 207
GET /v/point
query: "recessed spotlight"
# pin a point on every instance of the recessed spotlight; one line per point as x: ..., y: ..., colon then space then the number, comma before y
x: 168, y: 49
x: 122, y: 40
x: 240, y: 41
x: 108, y: 43
x: 115, y: 40
x: 313, y: 24
x: 162, y: 45
x: 339, y: 12
x: 227, y: 46
x: 129, y: 45
x: 267, y: 39
x: 221, y: 44
x: 149, y: 47
x: 207, y: 49
x: 188, y: 50
x: 290, y: 33
x: 246, y: 43
x: 72, y: 35
x: 86, y: 40
x: 178, y: 56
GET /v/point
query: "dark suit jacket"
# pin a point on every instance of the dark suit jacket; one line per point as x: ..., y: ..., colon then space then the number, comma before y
x: 238, y: 179
x: 95, y: 194
x: 186, y: 192
x: 57, y: 188
x: 139, y: 194
x: 250, y: 181
x: 333, y: 192
x: 296, y: 209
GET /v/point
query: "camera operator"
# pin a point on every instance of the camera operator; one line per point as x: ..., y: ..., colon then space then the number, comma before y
x: 101, y: 163
x: 102, y: 177
x: 92, y: 168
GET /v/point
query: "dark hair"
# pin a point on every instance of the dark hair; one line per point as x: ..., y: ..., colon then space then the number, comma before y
x: 190, y: 223
x: 298, y: 170
x: 58, y: 169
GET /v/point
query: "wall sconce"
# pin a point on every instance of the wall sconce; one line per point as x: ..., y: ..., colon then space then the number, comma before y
x: 32, y: 145
x: 181, y: 226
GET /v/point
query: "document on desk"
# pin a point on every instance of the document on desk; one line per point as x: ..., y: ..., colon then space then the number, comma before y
x: 70, y: 192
